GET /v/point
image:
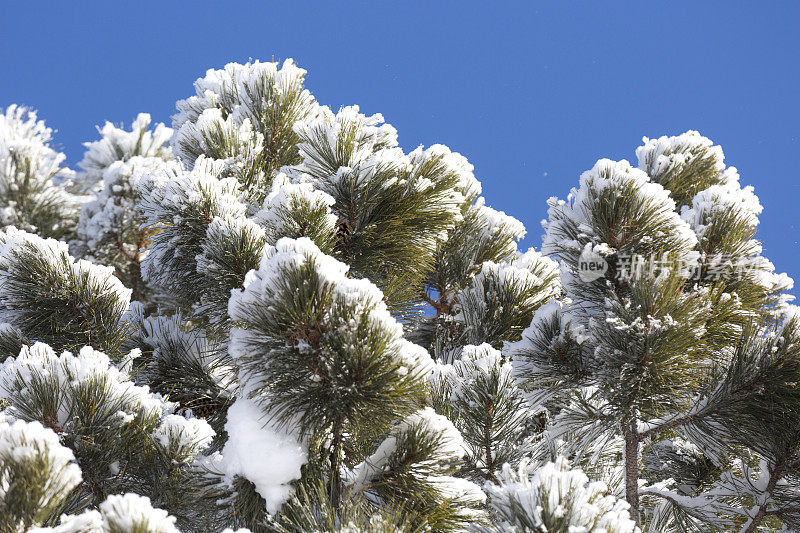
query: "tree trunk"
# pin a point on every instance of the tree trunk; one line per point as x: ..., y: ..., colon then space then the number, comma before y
x: 632, y: 469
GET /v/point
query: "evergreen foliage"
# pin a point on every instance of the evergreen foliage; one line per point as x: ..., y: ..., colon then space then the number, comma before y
x: 110, y: 230
x: 34, y: 186
x: 279, y: 320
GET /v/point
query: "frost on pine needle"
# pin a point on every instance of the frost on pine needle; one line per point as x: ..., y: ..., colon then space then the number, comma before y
x: 222, y: 137
x: 236, y: 85
x: 556, y: 498
x: 329, y: 362
x: 179, y: 359
x: 126, y: 438
x: 202, y: 245
x: 311, y: 354
x: 244, y: 115
x: 110, y: 228
x: 479, y: 393
x: 496, y: 222
x: 436, y: 446
x: 111, y: 214
x: 40, y: 385
x: 393, y: 208
x: 651, y: 210
x: 498, y: 301
x: 344, y: 139
x: 686, y: 164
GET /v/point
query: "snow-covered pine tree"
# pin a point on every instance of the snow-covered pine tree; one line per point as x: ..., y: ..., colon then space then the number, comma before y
x: 122, y: 437
x: 332, y: 334
x: 109, y: 229
x: 324, y: 377
x: 34, y: 186
x: 669, y: 367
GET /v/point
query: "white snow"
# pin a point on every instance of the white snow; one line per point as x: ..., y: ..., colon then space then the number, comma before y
x: 665, y: 154
x: 17, y: 247
x: 27, y: 160
x: 130, y: 512
x: 267, y: 455
x: 30, y: 442
x: 554, y: 494
x: 66, y: 373
x: 118, y: 144
x: 183, y: 436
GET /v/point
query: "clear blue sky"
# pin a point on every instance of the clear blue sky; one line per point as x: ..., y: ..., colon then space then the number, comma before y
x: 533, y: 93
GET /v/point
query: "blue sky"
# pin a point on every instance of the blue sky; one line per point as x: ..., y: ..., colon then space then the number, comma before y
x: 532, y: 93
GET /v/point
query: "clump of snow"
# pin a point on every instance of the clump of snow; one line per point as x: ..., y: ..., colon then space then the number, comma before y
x: 183, y: 437
x: 118, y: 513
x: 267, y: 455
x: 132, y: 512
x: 87, y: 522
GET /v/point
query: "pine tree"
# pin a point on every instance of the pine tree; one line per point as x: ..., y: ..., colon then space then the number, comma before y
x: 34, y: 186
x: 664, y: 370
x: 302, y: 327
x: 109, y: 228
